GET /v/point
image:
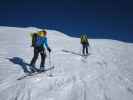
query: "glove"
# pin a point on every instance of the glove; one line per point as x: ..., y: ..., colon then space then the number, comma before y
x: 49, y: 49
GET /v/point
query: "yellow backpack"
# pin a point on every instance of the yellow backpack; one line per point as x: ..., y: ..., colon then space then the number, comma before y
x: 40, y: 33
x: 84, y: 39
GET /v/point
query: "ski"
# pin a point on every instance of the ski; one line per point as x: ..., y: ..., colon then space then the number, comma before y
x: 33, y: 74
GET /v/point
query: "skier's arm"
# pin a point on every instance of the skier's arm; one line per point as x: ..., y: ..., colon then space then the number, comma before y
x: 87, y: 41
x: 81, y: 39
x: 46, y: 44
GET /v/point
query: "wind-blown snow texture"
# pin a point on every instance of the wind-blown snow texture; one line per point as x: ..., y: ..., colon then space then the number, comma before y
x: 106, y: 74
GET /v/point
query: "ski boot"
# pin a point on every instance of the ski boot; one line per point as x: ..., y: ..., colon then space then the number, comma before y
x: 33, y: 69
x: 41, y: 69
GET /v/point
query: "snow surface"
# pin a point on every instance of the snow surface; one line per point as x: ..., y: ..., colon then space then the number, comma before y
x: 106, y: 74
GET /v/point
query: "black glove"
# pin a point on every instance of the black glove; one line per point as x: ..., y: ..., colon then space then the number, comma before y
x: 49, y: 49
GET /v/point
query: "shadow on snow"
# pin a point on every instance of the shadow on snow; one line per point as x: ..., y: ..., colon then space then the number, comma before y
x: 19, y: 61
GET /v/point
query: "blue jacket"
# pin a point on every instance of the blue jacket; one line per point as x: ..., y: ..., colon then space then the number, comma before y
x: 42, y: 41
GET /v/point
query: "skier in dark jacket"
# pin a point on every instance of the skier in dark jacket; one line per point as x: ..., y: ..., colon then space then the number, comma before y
x: 85, y: 44
x: 39, y: 42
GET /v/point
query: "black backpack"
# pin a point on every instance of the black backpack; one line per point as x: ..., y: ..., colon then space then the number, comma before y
x: 34, y: 38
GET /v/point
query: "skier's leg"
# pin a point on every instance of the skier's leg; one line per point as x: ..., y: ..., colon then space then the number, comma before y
x: 43, y: 58
x: 83, y: 51
x: 33, y: 61
x: 86, y: 49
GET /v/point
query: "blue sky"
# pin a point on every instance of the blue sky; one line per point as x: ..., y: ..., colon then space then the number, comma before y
x: 70, y: 16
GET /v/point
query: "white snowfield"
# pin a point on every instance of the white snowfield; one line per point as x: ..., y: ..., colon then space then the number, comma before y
x: 106, y: 74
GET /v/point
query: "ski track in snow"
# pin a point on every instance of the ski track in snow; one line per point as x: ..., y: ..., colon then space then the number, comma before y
x: 104, y: 75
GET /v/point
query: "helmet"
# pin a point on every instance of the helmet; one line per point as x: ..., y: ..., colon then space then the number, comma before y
x: 44, y: 32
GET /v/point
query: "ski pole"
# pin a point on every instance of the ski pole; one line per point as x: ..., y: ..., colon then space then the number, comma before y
x: 50, y: 73
x: 50, y: 60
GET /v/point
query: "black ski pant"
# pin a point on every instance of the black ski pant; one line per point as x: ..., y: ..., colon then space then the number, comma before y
x: 37, y: 51
x: 85, y: 48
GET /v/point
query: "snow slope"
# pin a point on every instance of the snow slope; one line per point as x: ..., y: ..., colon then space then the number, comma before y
x: 106, y: 74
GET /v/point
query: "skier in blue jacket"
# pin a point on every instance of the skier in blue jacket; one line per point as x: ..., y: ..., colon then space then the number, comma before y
x: 39, y: 42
